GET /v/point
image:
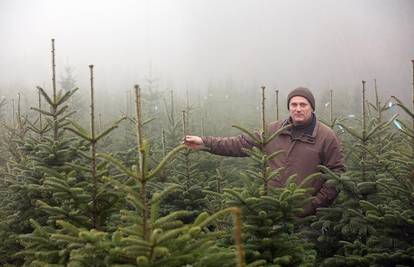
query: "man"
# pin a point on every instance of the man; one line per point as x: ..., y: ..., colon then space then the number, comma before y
x: 308, y: 143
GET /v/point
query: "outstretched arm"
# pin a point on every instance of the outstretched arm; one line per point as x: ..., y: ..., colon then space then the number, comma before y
x: 225, y: 146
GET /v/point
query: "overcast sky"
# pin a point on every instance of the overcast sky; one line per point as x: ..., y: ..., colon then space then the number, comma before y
x: 189, y: 43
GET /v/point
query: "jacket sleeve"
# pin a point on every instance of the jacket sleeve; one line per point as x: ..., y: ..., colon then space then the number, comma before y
x: 333, y: 159
x: 228, y: 146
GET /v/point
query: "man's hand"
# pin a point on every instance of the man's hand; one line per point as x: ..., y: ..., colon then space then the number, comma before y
x: 194, y: 142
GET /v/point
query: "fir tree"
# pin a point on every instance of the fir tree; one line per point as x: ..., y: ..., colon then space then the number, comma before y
x: 26, y: 173
x: 83, y: 203
x: 370, y: 208
x: 190, y: 182
x: 68, y: 82
x: 146, y: 238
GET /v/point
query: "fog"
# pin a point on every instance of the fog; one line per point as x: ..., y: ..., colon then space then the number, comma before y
x: 189, y: 44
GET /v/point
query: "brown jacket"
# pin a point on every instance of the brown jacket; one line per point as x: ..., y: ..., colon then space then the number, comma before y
x: 315, y: 145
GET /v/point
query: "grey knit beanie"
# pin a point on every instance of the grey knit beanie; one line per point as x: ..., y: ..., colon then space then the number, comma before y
x: 304, y: 92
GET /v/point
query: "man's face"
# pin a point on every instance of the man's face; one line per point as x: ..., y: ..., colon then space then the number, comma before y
x: 300, y: 110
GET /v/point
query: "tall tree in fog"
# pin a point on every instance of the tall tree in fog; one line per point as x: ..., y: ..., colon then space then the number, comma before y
x: 68, y: 82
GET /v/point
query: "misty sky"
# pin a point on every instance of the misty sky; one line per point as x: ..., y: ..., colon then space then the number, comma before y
x: 189, y: 43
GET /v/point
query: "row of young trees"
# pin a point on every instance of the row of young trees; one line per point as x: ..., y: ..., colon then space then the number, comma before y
x: 131, y: 195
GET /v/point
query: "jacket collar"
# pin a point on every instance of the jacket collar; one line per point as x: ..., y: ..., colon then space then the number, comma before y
x: 309, y: 133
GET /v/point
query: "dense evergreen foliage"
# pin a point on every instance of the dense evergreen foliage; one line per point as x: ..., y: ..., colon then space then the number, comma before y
x: 130, y: 194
